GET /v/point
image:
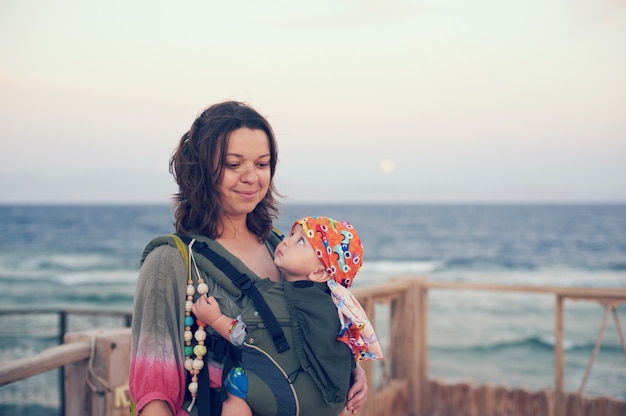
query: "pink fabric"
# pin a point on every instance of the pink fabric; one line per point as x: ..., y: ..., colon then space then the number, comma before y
x: 357, y: 331
x: 152, y: 379
x: 157, y: 363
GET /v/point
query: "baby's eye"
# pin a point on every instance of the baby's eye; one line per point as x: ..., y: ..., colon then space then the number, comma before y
x: 300, y: 241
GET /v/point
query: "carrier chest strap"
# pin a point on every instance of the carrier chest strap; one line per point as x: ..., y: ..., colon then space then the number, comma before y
x: 247, y: 286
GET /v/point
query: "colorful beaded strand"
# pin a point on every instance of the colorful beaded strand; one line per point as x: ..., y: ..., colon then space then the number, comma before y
x: 191, y: 290
x: 194, y: 365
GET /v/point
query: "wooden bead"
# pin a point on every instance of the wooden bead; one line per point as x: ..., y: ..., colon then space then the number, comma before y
x: 191, y: 290
x: 203, y: 288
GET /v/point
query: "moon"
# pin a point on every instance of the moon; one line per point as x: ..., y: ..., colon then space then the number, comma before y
x: 386, y: 166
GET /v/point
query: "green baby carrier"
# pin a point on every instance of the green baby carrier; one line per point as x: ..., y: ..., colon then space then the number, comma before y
x: 275, y: 346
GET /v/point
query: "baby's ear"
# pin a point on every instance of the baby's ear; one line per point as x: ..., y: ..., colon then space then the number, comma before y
x: 319, y: 275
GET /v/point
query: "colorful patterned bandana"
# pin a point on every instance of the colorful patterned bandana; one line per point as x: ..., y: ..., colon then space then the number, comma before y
x: 339, y: 247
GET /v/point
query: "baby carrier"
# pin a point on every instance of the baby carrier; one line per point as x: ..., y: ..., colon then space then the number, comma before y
x: 274, y: 343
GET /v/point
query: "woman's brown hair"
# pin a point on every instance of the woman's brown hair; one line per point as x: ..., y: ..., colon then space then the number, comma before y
x: 197, y: 166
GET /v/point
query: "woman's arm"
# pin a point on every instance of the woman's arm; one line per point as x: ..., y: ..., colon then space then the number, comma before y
x: 357, y: 395
x: 156, y: 363
x: 156, y: 408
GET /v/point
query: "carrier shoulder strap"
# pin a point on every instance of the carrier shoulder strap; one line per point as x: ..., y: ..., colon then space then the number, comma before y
x: 247, y: 286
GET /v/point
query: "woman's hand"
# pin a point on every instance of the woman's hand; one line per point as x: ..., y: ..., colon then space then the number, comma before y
x: 357, y: 395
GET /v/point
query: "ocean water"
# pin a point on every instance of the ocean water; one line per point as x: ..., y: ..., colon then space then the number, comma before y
x: 87, y: 257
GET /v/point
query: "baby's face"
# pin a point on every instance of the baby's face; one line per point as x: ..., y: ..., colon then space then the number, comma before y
x: 295, y: 256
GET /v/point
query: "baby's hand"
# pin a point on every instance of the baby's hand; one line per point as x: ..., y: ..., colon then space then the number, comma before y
x: 206, y: 309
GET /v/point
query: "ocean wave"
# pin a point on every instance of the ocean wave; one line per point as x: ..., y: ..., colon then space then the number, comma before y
x: 483, y: 263
x: 76, y: 277
x: 69, y: 262
x: 502, y: 263
x: 556, y: 276
x: 617, y: 266
x: 395, y: 268
x: 531, y: 341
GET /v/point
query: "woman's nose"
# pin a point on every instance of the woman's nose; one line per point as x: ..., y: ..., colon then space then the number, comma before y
x: 249, y: 175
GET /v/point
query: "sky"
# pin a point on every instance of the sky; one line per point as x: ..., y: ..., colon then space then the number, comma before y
x: 433, y: 101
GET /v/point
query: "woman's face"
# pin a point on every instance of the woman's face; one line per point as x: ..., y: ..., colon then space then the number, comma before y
x: 246, y: 174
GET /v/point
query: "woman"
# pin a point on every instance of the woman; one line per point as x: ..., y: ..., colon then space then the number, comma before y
x: 224, y: 166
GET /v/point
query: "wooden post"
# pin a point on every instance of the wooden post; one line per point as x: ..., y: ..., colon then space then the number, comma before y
x: 62, y: 331
x: 399, y: 341
x: 98, y: 386
x: 368, y: 303
x: 402, y: 356
x: 558, y: 357
x: 422, y: 311
x: 412, y: 354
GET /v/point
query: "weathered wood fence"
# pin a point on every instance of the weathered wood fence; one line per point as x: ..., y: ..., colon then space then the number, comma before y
x: 96, y: 362
x: 409, y: 390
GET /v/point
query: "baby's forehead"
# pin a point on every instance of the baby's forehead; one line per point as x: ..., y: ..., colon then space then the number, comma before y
x: 297, y: 228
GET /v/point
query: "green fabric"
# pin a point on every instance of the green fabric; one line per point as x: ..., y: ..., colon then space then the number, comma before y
x: 317, y: 395
x: 309, y: 383
x: 327, y: 360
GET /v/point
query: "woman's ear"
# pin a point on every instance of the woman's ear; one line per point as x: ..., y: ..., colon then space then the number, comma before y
x: 319, y: 275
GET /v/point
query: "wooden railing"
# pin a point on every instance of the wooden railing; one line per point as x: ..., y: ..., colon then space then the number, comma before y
x: 58, y: 356
x: 557, y: 403
x: 399, y: 385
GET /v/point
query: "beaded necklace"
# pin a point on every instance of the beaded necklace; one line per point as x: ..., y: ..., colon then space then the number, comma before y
x: 194, y: 365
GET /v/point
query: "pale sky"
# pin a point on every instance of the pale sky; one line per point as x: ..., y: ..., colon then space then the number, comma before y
x: 372, y: 101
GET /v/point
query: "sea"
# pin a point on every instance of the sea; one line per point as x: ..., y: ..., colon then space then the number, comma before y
x: 87, y: 257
